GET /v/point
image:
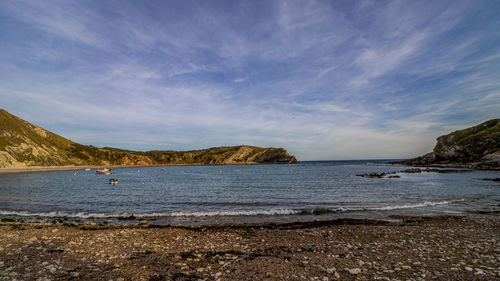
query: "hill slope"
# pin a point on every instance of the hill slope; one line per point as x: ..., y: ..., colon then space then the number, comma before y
x: 474, y: 147
x: 24, y: 144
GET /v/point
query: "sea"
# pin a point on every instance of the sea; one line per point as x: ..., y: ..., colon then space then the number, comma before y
x: 194, y: 195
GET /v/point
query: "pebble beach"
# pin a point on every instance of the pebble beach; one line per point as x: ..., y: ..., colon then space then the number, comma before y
x: 413, y: 248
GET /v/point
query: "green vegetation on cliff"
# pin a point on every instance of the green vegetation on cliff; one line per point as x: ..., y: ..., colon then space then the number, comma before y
x: 474, y: 147
x: 24, y: 144
x: 472, y: 143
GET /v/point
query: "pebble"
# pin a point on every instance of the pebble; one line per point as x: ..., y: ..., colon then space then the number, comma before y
x: 468, y: 268
x: 354, y: 271
x: 478, y: 271
x: 405, y: 267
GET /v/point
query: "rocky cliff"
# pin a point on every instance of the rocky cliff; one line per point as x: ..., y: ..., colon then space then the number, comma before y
x: 476, y: 147
x: 24, y: 144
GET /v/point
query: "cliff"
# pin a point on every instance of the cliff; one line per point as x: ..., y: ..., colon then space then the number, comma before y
x: 476, y: 147
x: 23, y: 144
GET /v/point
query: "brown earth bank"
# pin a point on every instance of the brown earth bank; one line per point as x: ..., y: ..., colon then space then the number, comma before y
x: 416, y: 248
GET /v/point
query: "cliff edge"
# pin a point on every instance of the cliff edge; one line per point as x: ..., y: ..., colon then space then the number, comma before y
x: 476, y: 147
x: 23, y: 144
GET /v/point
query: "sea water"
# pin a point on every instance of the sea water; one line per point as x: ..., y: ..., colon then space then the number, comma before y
x: 247, y: 193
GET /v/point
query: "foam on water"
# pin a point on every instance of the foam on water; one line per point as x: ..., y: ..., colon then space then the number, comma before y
x: 271, y: 212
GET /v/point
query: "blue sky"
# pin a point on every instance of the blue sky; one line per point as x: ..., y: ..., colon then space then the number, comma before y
x: 324, y: 79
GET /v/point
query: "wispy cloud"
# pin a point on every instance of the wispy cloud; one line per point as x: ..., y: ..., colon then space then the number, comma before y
x: 327, y: 80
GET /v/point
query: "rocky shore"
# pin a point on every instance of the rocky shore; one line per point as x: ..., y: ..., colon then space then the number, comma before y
x: 476, y: 147
x: 415, y: 248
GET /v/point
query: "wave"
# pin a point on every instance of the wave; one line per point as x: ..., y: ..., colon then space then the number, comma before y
x: 271, y: 212
x: 411, y: 206
x: 144, y: 215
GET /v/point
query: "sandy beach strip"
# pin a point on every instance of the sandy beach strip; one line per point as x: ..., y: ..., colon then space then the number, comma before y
x: 31, y: 169
x: 418, y: 248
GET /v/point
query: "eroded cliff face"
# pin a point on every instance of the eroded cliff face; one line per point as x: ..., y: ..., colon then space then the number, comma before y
x: 24, y: 144
x: 475, y: 147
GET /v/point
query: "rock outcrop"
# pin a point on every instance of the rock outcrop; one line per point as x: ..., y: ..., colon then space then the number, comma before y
x: 23, y: 144
x: 477, y: 147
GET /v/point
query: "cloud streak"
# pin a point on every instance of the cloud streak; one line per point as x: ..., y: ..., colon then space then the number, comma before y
x: 340, y: 80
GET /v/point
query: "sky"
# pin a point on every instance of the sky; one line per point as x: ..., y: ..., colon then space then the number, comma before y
x: 323, y: 79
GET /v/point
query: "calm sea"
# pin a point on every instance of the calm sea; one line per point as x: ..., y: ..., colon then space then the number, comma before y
x: 254, y: 193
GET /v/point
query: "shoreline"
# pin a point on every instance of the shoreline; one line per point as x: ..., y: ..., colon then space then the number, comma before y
x: 417, y: 248
x: 34, y: 169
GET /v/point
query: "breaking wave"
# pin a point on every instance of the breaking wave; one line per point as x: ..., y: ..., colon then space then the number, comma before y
x: 271, y: 212
x: 416, y: 205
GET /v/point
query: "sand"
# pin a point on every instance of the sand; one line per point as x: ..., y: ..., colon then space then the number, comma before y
x: 421, y: 248
x: 31, y: 169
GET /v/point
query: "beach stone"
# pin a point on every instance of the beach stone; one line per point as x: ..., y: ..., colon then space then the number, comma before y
x: 468, y: 268
x: 354, y: 271
x: 336, y: 275
x: 478, y: 271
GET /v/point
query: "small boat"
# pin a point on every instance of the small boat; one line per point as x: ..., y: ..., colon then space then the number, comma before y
x: 104, y: 171
x: 87, y: 169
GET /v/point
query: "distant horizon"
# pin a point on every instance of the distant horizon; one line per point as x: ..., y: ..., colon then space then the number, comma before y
x: 317, y: 160
x: 323, y: 79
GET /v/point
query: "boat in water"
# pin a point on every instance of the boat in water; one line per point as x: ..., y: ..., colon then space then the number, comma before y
x: 104, y: 171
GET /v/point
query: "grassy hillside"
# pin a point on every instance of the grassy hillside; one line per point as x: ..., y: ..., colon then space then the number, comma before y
x: 473, y: 142
x: 474, y: 147
x: 24, y: 144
